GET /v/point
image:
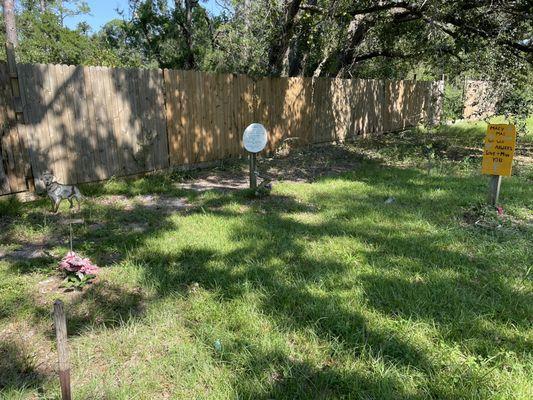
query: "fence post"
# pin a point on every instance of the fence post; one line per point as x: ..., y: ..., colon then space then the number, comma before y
x: 60, y: 323
x: 439, y: 101
x: 18, y: 109
x: 165, y: 76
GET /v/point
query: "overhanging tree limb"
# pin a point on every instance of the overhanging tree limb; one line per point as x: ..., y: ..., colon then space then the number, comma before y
x: 457, y: 23
x: 280, y: 45
x: 385, y: 54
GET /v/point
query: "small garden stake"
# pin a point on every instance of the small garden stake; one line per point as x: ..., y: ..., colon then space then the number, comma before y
x: 70, y: 229
x: 253, y: 178
x: 60, y: 323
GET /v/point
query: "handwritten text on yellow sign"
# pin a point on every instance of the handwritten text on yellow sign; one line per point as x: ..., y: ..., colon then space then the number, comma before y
x: 499, y: 149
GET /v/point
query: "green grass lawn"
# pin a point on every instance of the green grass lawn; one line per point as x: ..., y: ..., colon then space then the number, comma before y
x: 321, y: 290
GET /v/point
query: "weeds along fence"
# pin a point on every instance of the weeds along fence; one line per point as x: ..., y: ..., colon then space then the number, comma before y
x: 91, y: 123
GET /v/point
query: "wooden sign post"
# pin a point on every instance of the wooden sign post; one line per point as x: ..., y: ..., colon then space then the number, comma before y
x: 60, y: 322
x: 500, y: 143
x: 254, y: 140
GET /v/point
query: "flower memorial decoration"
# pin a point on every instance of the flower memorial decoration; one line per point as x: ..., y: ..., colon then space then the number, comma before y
x: 79, y: 271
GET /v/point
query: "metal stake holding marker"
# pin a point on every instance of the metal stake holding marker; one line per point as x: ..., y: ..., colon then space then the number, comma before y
x: 254, y: 140
x: 70, y: 234
x: 253, y: 170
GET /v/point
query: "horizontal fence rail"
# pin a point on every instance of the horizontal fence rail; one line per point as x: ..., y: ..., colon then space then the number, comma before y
x: 92, y: 123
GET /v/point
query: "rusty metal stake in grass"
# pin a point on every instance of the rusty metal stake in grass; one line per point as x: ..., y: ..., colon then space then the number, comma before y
x: 60, y: 323
x: 253, y: 167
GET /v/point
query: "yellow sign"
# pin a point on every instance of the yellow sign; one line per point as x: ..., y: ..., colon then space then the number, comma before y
x: 499, y: 149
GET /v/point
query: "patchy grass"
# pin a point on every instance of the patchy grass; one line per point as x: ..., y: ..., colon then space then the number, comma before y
x: 321, y: 290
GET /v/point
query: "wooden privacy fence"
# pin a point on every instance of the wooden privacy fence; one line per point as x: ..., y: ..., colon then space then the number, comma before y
x: 91, y: 123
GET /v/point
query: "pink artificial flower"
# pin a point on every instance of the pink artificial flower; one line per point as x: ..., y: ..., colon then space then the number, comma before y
x: 89, y: 269
x: 74, y: 263
x: 500, y: 210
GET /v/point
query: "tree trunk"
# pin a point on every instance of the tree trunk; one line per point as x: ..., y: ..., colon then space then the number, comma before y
x: 298, y: 53
x: 189, y: 5
x: 357, y: 30
x: 247, y: 13
x: 186, y: 8
x: 61, y: 12
x: 278, y: 49
x: 9, y: 20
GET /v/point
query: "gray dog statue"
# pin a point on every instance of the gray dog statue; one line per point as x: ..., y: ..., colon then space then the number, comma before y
x: 58, y: 191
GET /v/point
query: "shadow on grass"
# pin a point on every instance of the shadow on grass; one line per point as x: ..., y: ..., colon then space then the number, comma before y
x: 100, y: 305
x: 104, y: 304
x: 294, y: 308
x: 17, y: 369
x: 456, y: 293
x: 299, y: 379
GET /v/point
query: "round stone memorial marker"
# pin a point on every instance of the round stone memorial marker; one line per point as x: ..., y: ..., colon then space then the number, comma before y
x: 254, y: 138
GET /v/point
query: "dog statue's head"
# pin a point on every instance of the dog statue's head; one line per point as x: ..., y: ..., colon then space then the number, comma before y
x: 48, y: 178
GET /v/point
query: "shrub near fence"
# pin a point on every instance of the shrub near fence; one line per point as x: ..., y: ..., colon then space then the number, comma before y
x: 92, y: 123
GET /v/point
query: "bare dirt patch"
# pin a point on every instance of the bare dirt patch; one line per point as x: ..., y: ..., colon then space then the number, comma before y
x: 163, y: 203
x: 300, y: 165
x: 221, y: 180
x: 166, y: 204
x: 50, y: 285
x: 308, y: 165
x: 27, y: 251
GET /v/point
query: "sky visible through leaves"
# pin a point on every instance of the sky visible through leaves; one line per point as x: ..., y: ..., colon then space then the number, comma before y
x: 102, y: 11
